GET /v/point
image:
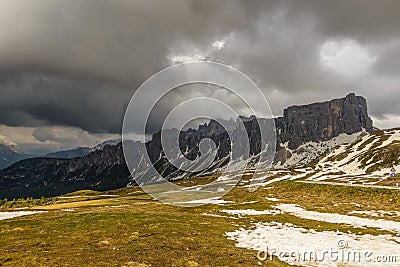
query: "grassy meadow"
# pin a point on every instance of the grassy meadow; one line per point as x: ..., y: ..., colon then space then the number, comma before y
x: 126, y: 227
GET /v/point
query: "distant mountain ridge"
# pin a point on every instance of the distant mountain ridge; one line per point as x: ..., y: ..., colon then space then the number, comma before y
x: 8, y: 156
x: 106, y: 169
x: 79, y: 151
x: 69, y: 154
x: 100, y: 170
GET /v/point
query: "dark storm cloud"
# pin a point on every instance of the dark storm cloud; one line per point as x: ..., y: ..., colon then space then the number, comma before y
x: 367, y: 20
x: 76, y: 63
x: 389, y: 63
x: 36, y: 99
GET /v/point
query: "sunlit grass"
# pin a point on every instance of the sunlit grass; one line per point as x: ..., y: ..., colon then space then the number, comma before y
x: 132, y: 229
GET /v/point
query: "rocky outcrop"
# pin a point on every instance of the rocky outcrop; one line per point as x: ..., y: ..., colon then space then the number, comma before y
x: 323, y: 121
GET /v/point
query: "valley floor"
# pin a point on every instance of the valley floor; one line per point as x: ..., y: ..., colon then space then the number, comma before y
x: 127, y: 228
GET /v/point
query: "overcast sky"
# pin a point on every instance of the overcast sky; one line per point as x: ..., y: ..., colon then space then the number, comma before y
x: 69, y: 68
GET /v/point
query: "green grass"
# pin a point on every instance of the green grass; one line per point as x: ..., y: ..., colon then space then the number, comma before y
x: 156, y: 236
x: 132, y: 229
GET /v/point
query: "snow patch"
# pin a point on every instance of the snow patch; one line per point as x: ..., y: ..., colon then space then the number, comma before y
x: 251, y: 212
x: 354, y: 221
x: 213, y: 200
x: 376, y: 213
x: 287, y: 238
x: 13, y: 214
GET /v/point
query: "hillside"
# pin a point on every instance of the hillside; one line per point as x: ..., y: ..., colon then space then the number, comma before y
x: 8, y: 156
x: 365, y: 161
x: 101, y: 170
x: 374, y: 154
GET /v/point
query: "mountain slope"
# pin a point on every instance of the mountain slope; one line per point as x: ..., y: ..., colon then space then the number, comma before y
x: 100, y: 170
x: 364, y: 162
x: 310, y: 151
x: 9, y: 156
x: 372, y: 154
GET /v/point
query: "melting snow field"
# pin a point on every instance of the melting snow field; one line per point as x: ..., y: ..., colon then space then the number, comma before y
x: 354, y: 221
x: 14, y: 214
x: 302, y: 247
x: 251, y: 212
x: 376, y: 213
x: 307, y: 247
x: 213, y: 200
x: 309, y: 151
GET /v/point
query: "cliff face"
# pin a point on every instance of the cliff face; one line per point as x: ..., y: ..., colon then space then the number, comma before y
x: 106, y: 169
x: 323, y: 121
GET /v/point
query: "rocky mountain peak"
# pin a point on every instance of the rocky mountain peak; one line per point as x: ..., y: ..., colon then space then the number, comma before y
x: 323, y: 121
